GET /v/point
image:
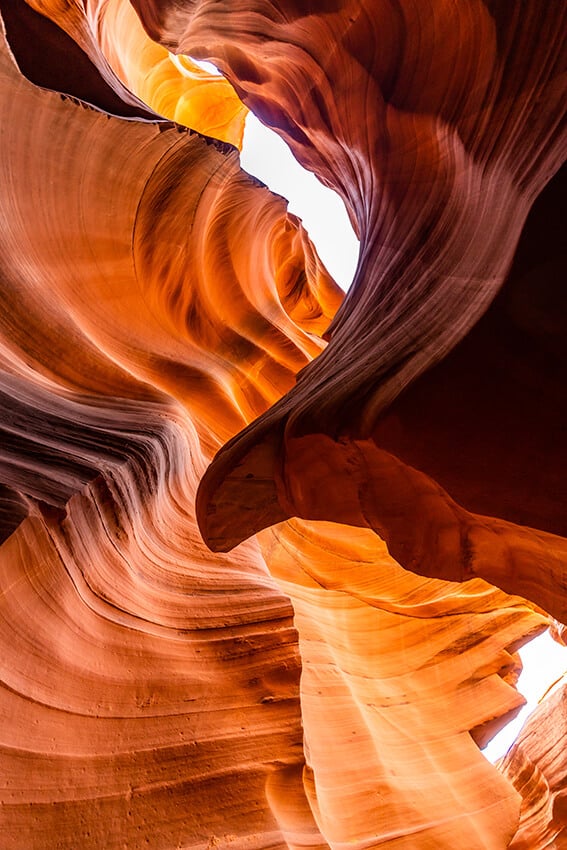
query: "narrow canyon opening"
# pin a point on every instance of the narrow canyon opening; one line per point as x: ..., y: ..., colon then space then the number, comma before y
x: 271, y: 555
x: 267, y: 157
x: 322, y: 212
x: 544, y: 664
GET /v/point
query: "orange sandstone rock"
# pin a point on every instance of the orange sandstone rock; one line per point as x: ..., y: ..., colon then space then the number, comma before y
x: 536, y: 765
x: 439, y: 146
x: 305, y: 690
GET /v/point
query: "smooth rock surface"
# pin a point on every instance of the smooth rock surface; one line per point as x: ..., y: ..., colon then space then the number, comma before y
x: 328, y: 682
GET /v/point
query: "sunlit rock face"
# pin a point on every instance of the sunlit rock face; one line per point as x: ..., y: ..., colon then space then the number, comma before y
x: 537, y: 766
x: 328, y: 681
x: 450, y: 137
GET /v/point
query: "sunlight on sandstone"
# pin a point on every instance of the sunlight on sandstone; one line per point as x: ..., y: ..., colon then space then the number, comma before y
x: 180, y: 61
x: 545, y: 661
x: 321, y: 210
x: 266, y: 156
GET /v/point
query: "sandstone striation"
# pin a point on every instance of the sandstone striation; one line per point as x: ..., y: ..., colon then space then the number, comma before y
x: 537, y: 767
x: 387, y: 469
x: 440, y: 195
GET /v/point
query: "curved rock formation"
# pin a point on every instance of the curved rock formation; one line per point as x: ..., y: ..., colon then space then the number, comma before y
x: 402, y: 678
x: 144, y: 680
x: 440, y: 195
x: 305, y: 690
x: 536, y: 764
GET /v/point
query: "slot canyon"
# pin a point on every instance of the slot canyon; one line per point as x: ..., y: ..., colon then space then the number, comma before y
x: 268, y: 551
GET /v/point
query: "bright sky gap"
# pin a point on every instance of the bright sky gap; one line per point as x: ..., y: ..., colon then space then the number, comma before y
x: 545, y: 662
x: 267, y: 157
x: 322, y: 211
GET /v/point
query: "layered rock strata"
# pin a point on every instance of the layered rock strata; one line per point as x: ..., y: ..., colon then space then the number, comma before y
x: 439, y: 184
x: 306, y: 689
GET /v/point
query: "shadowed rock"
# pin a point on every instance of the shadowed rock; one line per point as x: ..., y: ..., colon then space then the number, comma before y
x: 159, y: 307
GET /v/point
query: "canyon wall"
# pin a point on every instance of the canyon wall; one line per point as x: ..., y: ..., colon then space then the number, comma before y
x: 268, y: 552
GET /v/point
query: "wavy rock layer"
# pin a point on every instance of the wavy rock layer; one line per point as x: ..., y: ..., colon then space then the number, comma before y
x: 149, y: 687
x: 390, y: 716
x: 440, y: 184
x: 108, y: 45
x: 156, y: 301
x: 536, y: 764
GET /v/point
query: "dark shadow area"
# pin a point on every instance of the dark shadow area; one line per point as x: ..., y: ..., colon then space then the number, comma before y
x: 49, y: 58
x: 13, y: 510
x: 489, y: 423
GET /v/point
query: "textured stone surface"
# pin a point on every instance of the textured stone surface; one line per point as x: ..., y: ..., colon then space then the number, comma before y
x: 327, y: 682
x: 537, y: 766
x: 440, y: 184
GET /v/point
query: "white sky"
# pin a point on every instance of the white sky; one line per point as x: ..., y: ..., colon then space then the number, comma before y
x: 323, y: 214
x: 544, y: 662
x: 321, y: 210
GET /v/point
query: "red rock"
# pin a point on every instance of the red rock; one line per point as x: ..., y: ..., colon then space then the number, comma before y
x: 328, y: 682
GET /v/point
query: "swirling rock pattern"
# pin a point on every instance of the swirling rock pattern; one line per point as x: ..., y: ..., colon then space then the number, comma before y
x: 536, y: 764
x: 440, y: 194
x: 305, y: 690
